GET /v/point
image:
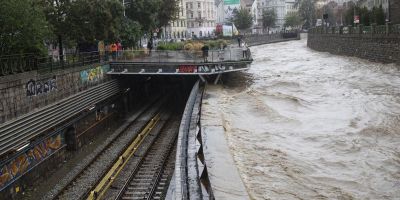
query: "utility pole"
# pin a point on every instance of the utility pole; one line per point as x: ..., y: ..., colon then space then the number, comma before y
x: 123, y: 4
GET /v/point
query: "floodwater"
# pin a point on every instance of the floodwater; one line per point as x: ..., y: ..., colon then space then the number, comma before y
x: 312, y: 125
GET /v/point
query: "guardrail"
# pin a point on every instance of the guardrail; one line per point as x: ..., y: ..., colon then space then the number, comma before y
x: 191, y: 176
x: 361, y: 30
x: 181, y: 56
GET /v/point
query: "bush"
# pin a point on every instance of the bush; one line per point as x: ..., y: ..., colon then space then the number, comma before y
x: 173, y: 46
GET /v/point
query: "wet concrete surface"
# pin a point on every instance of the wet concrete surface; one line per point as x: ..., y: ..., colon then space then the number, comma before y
x: 224, y: 177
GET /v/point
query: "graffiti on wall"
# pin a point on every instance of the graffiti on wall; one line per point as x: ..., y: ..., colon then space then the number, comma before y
x: 18, y: 166
x: 38, y: 87
x: 94, y: 74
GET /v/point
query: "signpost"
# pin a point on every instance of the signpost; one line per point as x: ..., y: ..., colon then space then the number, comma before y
x: 356, y: 19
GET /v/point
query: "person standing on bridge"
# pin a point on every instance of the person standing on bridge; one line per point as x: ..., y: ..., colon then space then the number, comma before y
x: 149, y: 46
x: 239, y: 39
x: 205, y: 49
x: 119, y: 49
x: 244, y: 49
x: 114, y: 49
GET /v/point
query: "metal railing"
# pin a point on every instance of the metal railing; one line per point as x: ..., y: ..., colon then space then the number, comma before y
x: 360, y: 30
x: 181, y: 56
x: 19, y: 63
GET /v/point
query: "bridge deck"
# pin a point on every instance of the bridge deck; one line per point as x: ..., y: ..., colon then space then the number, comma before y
x: 180, y: 62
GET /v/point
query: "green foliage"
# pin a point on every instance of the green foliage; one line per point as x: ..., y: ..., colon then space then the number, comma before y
x: 307, y: 12
x: 152, y: 14
x: 268, y: 18
x: 130, y: 32
x: 216, y: 44
x: 377, y: 15
x: 293, y: 20
x: 23, y: 27
x: 171, y: 46
x: 243, y: 19
x: 87, y: 20
x: 367, y: 17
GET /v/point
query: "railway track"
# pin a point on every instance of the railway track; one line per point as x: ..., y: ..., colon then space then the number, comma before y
x: 80, y: 184
x: 150, y: 180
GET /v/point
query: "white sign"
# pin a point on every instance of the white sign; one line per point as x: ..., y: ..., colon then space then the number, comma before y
x: 227, y: 30
x: 228, y: 9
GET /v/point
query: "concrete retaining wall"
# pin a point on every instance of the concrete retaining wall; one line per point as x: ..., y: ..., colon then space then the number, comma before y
x: 25, y: 92
x: 375, y: 47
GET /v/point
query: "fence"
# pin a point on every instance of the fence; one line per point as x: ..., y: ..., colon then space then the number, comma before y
x: 182, y: 56
x: 349, y: 30
x: 13, y: 64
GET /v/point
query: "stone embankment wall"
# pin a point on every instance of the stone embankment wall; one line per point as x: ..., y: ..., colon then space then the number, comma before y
x: 25, y: 92
x: 381, y: 47
x: 259, y: 39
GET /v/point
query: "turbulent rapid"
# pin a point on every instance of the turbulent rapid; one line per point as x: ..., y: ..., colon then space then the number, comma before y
x: 312, y: 125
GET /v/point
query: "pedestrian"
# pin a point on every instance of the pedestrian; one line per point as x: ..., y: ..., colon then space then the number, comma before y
x: 119, y: 49
x: 114, y: 49
x: 239, y: 41
x: 149, y: 46
x: 244, y: 49
x: 205, y: 50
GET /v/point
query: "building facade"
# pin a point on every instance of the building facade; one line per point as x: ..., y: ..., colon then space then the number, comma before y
x: 178, y: 29
x: 280, y: 8
x: 200, y: 15
x: 290, y: 7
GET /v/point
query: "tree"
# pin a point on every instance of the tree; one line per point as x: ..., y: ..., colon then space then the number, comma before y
x: 307, y: 12
x: 349, y: 14
x: 23, y: 27
x: 152, y: 14
x: 293, y: 20
x: 268, y: 18
x: 92, y: 20
x: 377, y: 15
x: 242, y: 19
x: 130, y: 32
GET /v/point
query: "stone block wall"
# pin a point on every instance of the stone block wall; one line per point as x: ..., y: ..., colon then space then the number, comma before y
x: 260, y: 39
x: 383, y: 48
x: 25, y: 92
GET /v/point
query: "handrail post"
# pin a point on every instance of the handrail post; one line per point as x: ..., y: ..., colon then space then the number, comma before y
x: 388, y: 28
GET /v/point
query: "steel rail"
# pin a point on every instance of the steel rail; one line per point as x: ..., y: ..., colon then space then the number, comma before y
x: 106, y: 181
x: 63, y: 110
x: 122, y: 130
x: 161, y: 170
x: 139, y: 166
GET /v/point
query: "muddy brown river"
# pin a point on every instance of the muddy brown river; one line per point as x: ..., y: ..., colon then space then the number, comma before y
x: 312, y: 125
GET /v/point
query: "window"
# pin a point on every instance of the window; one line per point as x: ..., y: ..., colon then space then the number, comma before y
x: 199, y: 14
x: 191, y: 14
x: 191, y: 5
x: 198, y: 4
